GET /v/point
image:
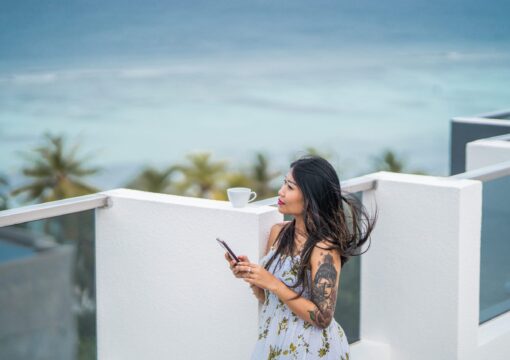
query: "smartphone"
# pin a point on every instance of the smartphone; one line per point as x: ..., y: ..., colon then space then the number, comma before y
x: 226, y: 247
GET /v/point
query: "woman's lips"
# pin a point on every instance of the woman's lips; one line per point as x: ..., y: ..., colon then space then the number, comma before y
x: 280, y: 202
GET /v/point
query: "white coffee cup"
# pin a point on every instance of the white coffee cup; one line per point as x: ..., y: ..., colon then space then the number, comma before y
x: 240, y: 196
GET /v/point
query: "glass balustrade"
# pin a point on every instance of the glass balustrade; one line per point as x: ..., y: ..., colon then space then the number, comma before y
x: 47, y: 289
x: 495, y: 249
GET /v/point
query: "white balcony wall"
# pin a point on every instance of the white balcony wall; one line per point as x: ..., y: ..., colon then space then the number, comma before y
x: 420, y: 277
x: 164, y: 290
x: 485, y: 152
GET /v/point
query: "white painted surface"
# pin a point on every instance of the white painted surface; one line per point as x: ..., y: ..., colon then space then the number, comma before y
x: 419, y: 279
x: 164, y: 290
x: 365, y: 349
x: 486, y: 152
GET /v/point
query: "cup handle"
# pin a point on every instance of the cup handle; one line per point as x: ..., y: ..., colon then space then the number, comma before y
x: 252, y: 193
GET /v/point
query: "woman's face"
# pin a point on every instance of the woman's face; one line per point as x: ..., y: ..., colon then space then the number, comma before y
x: 326, y: 287
x: 290, y: 197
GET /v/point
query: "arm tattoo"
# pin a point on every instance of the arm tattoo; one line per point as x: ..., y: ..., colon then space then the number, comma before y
x: 324, y: 292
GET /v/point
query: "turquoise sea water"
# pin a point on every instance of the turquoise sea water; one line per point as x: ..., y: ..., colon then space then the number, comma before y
x: 148, y: 87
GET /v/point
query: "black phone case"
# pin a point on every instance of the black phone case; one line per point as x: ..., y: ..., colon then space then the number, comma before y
x: 226, y: 247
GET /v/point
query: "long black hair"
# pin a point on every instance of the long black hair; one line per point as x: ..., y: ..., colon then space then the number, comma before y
x: 330, y: 215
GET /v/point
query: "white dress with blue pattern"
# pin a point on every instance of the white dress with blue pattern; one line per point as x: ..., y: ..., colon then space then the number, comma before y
x: 284, y: 335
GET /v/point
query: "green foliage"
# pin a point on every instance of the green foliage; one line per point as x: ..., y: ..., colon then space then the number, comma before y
x: 153, y: 180
x: 262, y: 177
x: 4, y: 197
x: 389, y: 161
x: 57, y: 173
x: 87, y: 348
x: 201, y: 175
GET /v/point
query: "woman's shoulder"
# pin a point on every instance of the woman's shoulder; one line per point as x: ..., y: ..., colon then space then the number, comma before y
x: 324, y: 248
x: 274, y: 233
x: 326, y: 245
x: 281, y: 224
x: 277, y: 228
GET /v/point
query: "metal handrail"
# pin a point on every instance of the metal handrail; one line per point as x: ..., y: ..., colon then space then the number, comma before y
x: 53, y: 208
x: 494, y: 114
x: 486, y: 173
x: 361, y: 183
x: 87, y: 202
x: 504, y: 137
x: 493, y: 117
x: 482, y: 120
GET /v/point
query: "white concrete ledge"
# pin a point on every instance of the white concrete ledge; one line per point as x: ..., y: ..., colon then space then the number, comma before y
x: 485, y: 152
x: 160, y: 272
x: 420, y: 277
x: 365, y: 349
x: 164, y: 289
x: 185, y: 200
x: 494, y: 329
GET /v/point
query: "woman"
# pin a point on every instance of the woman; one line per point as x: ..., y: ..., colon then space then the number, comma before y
x: 297, y: 281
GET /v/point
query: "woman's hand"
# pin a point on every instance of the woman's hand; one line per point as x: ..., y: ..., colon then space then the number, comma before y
x: 232, y: 264
x: 257, y: 275
x: 242, y: 272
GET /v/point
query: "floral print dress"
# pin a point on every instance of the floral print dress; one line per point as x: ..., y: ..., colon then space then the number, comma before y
x: 284, y: 335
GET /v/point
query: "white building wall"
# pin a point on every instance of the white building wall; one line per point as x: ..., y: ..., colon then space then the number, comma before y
x: 420, y: 277
x: 164, y: 289
x: 486, y: 152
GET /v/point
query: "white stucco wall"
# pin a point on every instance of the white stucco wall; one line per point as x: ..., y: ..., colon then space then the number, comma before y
x: 486, y: 152
x: 420, y: 277
x: 164, y: 290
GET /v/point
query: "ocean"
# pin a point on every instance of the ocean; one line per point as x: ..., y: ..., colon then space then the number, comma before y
x: 148, y: 83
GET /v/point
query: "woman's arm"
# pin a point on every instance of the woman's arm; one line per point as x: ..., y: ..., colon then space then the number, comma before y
x: 325, y: 272
x: 259, y: 293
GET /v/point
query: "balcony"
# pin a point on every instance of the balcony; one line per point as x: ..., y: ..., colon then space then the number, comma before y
x: 434, y: 283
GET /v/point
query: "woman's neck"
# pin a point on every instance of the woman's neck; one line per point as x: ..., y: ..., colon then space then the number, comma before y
x: 300, y: 230
x: 300, y: 224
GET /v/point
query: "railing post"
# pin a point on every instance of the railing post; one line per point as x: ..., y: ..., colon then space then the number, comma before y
x: 420, y: 277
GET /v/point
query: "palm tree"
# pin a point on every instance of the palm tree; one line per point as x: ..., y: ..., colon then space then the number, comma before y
x: 310, y: 150
x: 314, y: 151
x: 153, y: 180
x: 237, y: 179
x: 57, y: 173
x: 202, y: 177
x: 262, y: 177
x: 389, y: 161
x: 331, y: 157
x: 231, y: 179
